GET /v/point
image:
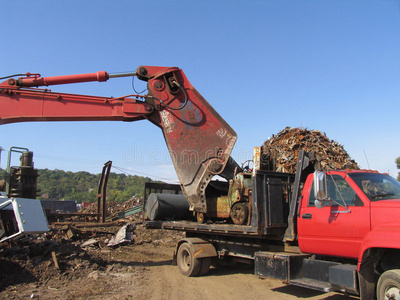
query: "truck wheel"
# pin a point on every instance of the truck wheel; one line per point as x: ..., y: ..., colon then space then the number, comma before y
x: 205, y: 265
x: 389, y: 285
x: 239, y: 213
x: 188, y: 265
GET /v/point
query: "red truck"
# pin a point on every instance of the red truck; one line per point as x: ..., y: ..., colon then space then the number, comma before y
x: 330, y: 231
x: 325, y: 230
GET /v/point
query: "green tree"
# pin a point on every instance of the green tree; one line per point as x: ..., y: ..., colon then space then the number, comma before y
x: 398, y: 167
x: 82, y: 186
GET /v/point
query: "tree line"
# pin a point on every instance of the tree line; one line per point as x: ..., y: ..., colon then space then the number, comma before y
x: 82, y: 186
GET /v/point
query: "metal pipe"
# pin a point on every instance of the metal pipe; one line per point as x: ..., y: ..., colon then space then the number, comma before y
x: 32, y: 81
x: 45, y: 81
x: 116, y: 75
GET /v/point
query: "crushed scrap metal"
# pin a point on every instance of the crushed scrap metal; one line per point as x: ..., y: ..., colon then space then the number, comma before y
x: 280, y: 152
x: 132, y: 208
x: 114, y: 209
x: 76, y: 231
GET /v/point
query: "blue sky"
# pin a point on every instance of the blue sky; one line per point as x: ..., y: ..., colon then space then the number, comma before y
x: 333, y: 66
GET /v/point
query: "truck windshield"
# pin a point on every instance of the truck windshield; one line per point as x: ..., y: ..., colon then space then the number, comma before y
x: 377, y: 186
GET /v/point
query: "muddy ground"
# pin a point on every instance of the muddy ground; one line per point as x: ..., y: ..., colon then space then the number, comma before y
x: 58, y: 266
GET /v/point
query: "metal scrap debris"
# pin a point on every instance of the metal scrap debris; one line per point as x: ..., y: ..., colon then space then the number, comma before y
x: 131, y: 209
x: 123, y: 236
x: 90, y: 243
x: 280, y: 152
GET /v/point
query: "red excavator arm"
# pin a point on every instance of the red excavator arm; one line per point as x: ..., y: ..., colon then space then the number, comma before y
x: 199, y: 140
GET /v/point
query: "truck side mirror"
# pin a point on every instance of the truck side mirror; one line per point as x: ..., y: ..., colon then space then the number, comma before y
x: 319, y: 204
x: 320, y: 185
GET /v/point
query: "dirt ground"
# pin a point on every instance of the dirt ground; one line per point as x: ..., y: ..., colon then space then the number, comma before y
x: 55, y: 267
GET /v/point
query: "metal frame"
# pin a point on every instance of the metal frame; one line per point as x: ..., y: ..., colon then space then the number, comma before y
x: 29, y: 216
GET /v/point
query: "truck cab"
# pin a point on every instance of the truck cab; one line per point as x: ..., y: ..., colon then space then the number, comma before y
x: 355, y: 206
x: 353, y: 215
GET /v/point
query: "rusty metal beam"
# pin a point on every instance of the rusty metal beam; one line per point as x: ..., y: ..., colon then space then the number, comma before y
x: 102, y: 192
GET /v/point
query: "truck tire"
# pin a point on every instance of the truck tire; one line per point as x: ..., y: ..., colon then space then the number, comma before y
x: 205, y: 265
x: 389, y: 285
x: 188, y: 265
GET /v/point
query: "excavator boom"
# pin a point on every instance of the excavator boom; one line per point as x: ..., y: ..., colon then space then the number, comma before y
x: 199, y: 140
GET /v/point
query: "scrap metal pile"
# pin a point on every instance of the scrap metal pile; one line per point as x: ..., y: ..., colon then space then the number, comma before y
x: 280, y: 152
x: 112, y: 208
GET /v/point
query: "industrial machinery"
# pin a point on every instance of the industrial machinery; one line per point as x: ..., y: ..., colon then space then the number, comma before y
x: 21, y: 181
x: 335, y: 230
x: 199, y: 140
x: 20, y: 212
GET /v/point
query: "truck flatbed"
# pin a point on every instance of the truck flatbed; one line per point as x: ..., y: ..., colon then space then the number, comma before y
x: 214, y: 228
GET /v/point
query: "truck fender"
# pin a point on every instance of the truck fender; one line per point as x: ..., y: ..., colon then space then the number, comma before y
x: 382, y: 237
x: 199, y: 247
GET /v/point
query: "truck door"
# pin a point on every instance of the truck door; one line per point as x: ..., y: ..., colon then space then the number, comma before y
x: 337, y: 228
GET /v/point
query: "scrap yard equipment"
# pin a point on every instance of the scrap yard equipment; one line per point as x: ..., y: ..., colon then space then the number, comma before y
x: 330, y: 230
x: 199, y: 140
x: 20, y: 213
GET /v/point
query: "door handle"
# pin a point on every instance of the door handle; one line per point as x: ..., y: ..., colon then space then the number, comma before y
x: 306, y: 216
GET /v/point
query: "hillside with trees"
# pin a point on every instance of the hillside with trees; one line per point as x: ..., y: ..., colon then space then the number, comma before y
x: 82, y: 186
